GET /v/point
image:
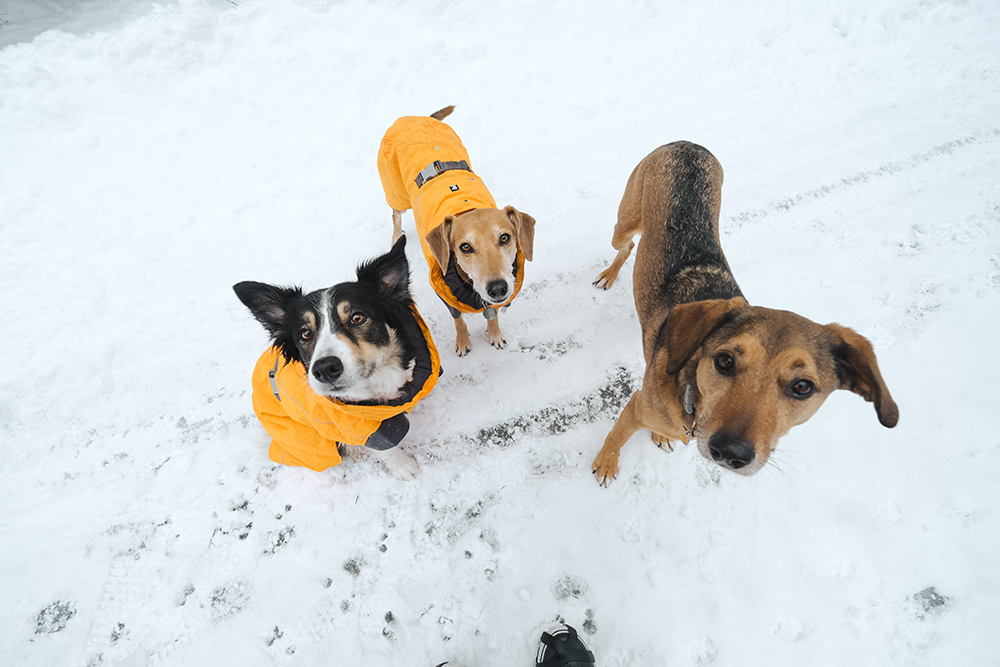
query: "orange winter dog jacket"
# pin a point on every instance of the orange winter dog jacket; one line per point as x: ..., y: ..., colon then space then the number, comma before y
x: 305, y: 427
x: 412, y: 144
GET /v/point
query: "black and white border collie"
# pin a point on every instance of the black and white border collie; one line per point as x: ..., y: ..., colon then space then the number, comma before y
x: 349, y: 337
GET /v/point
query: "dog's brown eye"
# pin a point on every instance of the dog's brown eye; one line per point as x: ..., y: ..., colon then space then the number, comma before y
x: 504, y: 239
x: 802, y: 389
x: 305, y: 334
x: 724, y: 363
x: 466, y: 248
x: 357, y: 318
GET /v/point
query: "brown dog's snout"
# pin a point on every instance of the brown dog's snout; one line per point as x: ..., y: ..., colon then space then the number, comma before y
x: 730, y: 450
x: 497, y: 289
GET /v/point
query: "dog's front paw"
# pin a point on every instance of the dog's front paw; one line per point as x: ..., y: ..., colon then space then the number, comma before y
x: 350, y: 453
x: 400, y: 464
x: 494, y: 334
x: 498, y: 341
x: 605, y: 467
x: 606, y: 279
x: 662, y: 442
x: 462, y: 348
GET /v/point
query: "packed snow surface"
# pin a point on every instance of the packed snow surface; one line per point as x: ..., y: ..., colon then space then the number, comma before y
x: 152, y: 155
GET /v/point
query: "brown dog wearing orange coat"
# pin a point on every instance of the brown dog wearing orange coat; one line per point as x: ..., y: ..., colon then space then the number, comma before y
x: 475, y: 252
x: 732, y: 376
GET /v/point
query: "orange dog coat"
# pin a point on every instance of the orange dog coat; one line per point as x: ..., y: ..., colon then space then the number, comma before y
x: 305, y: 427
x: 409, y: 146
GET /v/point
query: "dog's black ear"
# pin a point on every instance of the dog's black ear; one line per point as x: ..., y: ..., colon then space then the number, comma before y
x: 390, y: 272
x: 857, y: 370
x: 270, y: 304
x: 439, y: 241
x: 524, y: 227
x: 689, y: 324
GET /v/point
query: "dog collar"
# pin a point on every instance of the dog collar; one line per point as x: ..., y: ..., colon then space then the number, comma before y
x: 689, y: 408
x: 491, y: 312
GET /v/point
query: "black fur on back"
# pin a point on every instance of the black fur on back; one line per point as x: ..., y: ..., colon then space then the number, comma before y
x: 694, y: 268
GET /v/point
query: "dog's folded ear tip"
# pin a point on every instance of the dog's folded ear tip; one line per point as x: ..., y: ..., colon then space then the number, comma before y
x: 889, y: 418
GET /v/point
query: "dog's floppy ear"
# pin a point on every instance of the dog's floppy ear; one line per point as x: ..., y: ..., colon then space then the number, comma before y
x: 390, y: 272
x: 439, y: 241
x: 689, y: 324
x: 857, y: 370
x: 270, y: 304
x: 524, y: 227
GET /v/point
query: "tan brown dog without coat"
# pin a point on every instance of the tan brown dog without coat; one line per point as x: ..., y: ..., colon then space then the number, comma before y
x: 734, y: 377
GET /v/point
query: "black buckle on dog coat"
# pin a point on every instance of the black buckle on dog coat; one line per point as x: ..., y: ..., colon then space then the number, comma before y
x: 437, y: 168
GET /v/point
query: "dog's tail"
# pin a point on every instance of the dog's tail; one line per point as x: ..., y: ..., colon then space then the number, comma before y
x: 441, y: 114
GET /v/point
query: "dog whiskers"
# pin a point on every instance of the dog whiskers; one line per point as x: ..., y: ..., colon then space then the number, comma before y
x: 775, y: 465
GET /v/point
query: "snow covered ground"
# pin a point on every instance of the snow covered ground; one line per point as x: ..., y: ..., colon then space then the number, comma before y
x: 152, y: 155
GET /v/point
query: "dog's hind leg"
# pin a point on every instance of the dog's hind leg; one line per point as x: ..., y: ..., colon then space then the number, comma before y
x: 629, y: 224
x: 608, y: 276
x: 397, y: 225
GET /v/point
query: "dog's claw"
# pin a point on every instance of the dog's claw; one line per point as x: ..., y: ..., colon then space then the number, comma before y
x: 604, y: 479
x: 349, y: 453
x: 604, y: 282
x: 400, y: 464
x: 604, y: 470
x: 498, y: 344
x: 662, y: 442
x: 405, y: 475
x: 405, y: 468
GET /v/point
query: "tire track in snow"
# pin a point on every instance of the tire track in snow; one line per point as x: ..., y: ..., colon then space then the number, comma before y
x: 858, y: 178
x: 604, y: 402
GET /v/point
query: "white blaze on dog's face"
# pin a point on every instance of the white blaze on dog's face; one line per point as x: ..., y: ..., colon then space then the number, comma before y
x: 485, y: 244
x: 350, y: 352
x: 351, y: 338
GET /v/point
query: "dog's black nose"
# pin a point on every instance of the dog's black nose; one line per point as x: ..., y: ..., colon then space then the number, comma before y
x: 497, y: 289
x: 730, y: 450
x: 327, y: 369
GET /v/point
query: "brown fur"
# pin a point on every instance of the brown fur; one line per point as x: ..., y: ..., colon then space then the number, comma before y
x: 695, y: 322
x: 494, y: 237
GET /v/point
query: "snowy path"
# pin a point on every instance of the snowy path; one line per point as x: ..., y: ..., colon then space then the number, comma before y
x: 148, y: 166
